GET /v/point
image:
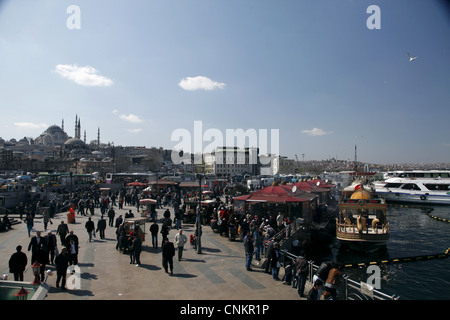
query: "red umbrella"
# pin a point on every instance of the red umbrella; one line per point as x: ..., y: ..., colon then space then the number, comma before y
x: 136, y: 184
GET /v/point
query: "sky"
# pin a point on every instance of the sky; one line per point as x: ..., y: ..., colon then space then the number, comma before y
x: 327, y: 74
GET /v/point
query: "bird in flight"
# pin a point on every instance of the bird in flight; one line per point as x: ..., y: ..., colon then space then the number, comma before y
x: 411, y: 58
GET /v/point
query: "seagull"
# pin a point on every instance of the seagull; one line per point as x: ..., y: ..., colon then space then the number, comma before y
x: 411, y: 58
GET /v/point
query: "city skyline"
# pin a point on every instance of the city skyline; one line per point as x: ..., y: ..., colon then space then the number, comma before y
x: 314, y: 70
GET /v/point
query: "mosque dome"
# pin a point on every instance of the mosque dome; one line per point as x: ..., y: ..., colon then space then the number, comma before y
x: 74, y: 143
x: 53, y: 136
x: 360, y: 194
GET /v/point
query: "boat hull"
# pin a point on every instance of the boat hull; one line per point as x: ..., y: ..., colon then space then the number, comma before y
x: 417, y: 198
x: 364, y: 247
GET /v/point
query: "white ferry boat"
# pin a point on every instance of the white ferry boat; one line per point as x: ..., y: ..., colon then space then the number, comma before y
x: 417, y: 186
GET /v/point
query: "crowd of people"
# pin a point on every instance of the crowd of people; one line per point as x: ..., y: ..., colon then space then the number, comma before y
x: 44, y: 251
x: 257, y: 232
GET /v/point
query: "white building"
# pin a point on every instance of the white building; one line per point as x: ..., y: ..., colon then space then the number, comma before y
x: 231, y: 161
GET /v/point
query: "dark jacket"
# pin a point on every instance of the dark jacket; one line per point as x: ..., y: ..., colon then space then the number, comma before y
x: 168, y: 250
x: 248, y: 244
x: 90, y: 226
x: 101, y: 224
x: 301, y: 265
x: 63, y: 229
x: 136, y: 244
x: 51, y: 242
x: 275, y: 258
x: 35, y: 246
x: 61, y: 262
x: 18, y: 262
x: 154, y: 228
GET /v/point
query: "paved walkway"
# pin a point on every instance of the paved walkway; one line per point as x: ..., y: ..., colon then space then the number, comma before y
x: 218, y: 273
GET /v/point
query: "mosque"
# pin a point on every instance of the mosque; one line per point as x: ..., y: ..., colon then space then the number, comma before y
x: 73, y: 147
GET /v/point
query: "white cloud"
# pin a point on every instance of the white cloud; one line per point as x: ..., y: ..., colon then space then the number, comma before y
x: 30, y: 125
x: 85, y: 76
x: 129, y: 118
x: 200, y: 83
x: 316, y: 132
x: 137, y: 130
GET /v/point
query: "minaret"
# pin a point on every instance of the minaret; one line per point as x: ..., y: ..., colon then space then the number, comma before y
x: 84, y: 136
x: 79, y: 128
x: 98, y: 137
x: 62, y: 125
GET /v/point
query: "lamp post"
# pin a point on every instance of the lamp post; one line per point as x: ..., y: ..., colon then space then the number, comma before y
x: 35, y: 266
x: 199, y: 218
x: 22, y: 294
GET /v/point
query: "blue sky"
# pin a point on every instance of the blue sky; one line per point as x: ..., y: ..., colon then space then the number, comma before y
x: 141, y: 69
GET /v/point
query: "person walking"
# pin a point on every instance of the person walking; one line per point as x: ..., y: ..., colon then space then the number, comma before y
x: 62, y: 263
x: 72, y: 249
x: 101, y: 226
x: 39, y: 253
x: 119, y: 221
x: 165, y: 230
x: 168, y: 251
x: 36, y: 244
x: 62, y: 231
x: 275, y: 261
x: 111, y: 214
x: 30, y: 223
x: 180, y: 240
x: 90, y: 228
x: 249, y: 248
x: 51, y: 241
x: 17, y: 263
x: 135, y: 249
x: 46, y: 219
x: 154, y: 228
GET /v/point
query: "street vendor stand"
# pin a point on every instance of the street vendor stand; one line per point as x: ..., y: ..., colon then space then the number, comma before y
x: 136, y: 226
x: 149, y: 210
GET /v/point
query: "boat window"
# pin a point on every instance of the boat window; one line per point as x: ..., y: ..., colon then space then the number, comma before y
x: 392, y: 185
x: 431, y: 186
x: 410, y: 186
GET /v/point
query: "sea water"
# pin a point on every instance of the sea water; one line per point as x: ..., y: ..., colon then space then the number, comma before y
x: 413, y: 233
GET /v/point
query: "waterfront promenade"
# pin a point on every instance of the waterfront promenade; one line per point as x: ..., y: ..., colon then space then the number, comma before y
x: 218, y: 273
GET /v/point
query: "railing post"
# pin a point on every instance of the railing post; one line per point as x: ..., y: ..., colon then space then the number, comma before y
x: 345, y: 277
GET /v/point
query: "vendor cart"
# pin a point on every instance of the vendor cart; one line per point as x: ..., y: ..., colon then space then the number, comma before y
x: 149, y: 209
x: 135, y: 226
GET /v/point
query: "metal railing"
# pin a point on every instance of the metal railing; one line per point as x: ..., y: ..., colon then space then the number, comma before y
x: 348, y: 288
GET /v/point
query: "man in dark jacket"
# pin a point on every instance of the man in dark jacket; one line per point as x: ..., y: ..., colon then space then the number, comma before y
x: 36, y: 244
x: 17, y: 263
x: 168, y: 251
x: 62, y: 263
x: 111, y: 214
x: 135, y: 250
x: 101, y: 226
x: 154, y: 228
x: 51, y: 245
x: 301, y: 266
x: 249, y: 248
x: 62, y: 230
x: 90, y: 228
